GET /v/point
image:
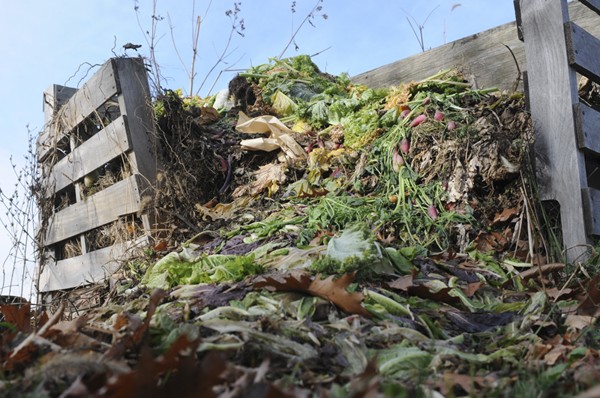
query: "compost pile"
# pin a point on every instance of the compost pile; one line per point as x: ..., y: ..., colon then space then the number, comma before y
x: 327, y: 239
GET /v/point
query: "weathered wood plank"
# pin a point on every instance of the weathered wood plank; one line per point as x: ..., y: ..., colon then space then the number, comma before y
x: 101, y: 208
x: 104, y: 146
x: 54, y: 97
x: 594, y: 5
x: 134, y: 102
x: 560, y: 167
x: 587, y: 126
x: 482, y: 56
x: 591, y: 208
x: 583, y: 50
x: 95, y: 92
x: 86, y: 269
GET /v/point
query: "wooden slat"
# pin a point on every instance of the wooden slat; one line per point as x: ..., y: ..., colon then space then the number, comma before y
x: 102, y: 86
x: 591, y: 208
x: 134, y: 102
x: 98, y: 89
x: 584, y: 51
x: 560, y: 167
x: 587, y: 126
x: 594, y: 5
x: 101, y: 148
x: 54, y: 97
x: 101, y: 208
x: 86, y: 269
x: 482, y: 55
x: 483, y: 58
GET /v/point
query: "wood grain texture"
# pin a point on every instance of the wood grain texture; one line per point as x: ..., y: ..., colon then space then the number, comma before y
x: 583, y: 50
x: 552, y: 93
x: 594, y: 5
x: 54, y: 97
x: 86, y: 269
x: 587, y: 126
x: 102, y: 147
x: 591, y: 208
x: 101, y: 208
x: 134, y: 102
x: 483, y: 57
x: 95, y: 92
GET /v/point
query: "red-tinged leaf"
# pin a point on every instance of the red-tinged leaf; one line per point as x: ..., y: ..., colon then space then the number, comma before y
x: 439, y: 116
x: 426, y: 101
x: 591, y: 305
x: 18, y: 315
x: 418, y: 120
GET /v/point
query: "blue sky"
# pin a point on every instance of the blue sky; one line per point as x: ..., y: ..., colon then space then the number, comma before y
x: 54, y: 42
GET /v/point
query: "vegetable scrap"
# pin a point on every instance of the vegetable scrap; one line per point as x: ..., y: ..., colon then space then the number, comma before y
x: 327, y: 239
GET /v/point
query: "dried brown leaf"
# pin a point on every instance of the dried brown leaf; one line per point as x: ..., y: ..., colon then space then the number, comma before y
x: 591, y: 305
x: 329, y: 288
x: 505, y: 215
x: 403, y: 283
x: 18, y: 315
x: 335, y: 290
x: 176, y: 373
x: 294, y: 280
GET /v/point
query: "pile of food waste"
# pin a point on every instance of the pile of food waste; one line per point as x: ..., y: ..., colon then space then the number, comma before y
x: 326, y: 239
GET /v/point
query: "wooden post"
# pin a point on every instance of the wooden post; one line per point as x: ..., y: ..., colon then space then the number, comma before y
x: 552, y: 96
x: 135, y: 105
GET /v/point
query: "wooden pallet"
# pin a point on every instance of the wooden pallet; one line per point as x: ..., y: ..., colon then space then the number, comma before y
x: 567, y: 147
x: 106, y: 124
